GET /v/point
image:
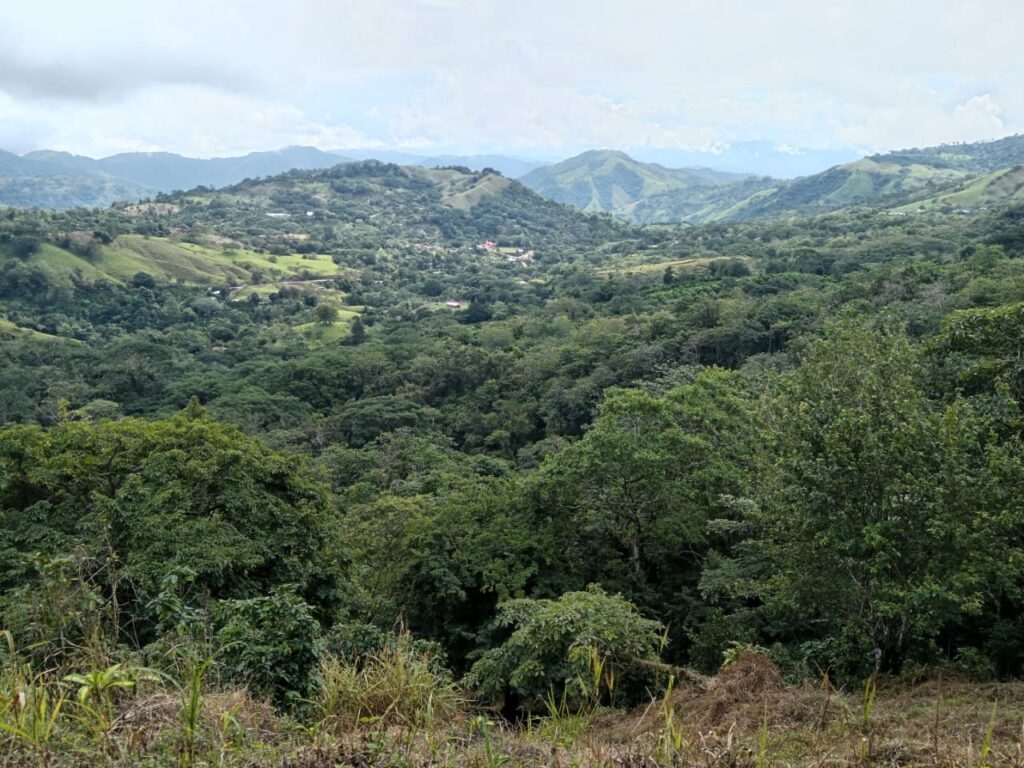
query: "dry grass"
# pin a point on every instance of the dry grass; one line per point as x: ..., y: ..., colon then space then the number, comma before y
x: 395, y: 711
x: 398, y: 686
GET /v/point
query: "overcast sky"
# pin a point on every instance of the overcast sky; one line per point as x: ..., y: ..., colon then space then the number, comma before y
x: 525, y: 77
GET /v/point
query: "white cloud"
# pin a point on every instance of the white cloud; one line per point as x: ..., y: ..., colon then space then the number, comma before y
x: 203, y: 121
x: 226, y: 77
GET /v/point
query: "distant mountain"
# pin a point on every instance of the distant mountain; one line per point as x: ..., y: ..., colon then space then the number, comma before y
x: 49, y: 179
x: 952, y: 175
x: 613, y: 182
x: 167, y: 171
x: 512, y: 167
x: 62, y: 192
x: 760, y: 158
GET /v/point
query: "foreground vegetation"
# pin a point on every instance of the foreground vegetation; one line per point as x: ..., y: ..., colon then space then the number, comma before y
x: 506, y: 484
x: 394, y: 708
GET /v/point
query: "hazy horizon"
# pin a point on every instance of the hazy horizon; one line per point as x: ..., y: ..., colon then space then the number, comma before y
x: 745, y: 158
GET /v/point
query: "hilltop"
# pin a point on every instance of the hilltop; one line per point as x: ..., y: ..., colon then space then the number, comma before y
x: 609, y: 181
x: 868, y: 181
x: 971, y: 157
x: 959, y: 174
x: 513, y: 167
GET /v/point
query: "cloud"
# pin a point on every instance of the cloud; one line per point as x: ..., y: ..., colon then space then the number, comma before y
x: 29, y: 79
x: 452, y: 75
x: 204, y: 120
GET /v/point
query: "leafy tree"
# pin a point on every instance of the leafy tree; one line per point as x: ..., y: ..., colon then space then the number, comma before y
x: 326, y: 313
x: 186, y: 492
x: 459, y: 559
x: 360, y: 421
x: 652, y: 467
x: 978, y: 352
x: 476, y: 312
x: 877, y: 512
x: 357, y: 332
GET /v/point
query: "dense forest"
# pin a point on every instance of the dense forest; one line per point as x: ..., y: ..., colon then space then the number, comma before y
x: 381, y: 445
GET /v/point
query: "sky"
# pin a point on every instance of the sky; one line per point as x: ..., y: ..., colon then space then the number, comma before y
x: 726, y: 83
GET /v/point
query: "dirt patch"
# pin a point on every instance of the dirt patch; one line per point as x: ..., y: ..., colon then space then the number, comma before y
x: 224, y: 710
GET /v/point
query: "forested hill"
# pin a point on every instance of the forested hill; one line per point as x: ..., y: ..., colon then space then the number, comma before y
x: 954, y: 175
x: 611, y: 182
x: 304, y: 223
x: 61, y: 180
x: 452, y: 205
x: 972, y: 157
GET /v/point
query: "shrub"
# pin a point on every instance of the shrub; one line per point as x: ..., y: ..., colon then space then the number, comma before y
x: 270, y: 644
x: 552, y: 650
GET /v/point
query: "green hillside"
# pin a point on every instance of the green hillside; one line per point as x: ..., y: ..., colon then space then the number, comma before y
x: 612, y: 182
x: 645, y: 193
x: 68, y: 191
x: 864, y: 182
x: 1006, y: 185
x: 697, y: 205
x: 975, y: 158
x: 172, y: 261
x: 305, y: 225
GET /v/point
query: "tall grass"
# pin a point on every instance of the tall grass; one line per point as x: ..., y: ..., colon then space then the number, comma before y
x: 30, y: 711
x: 397, y: 686
x: 191, y: 709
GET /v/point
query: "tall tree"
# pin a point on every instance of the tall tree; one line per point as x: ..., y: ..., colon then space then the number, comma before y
x: 877, y: 509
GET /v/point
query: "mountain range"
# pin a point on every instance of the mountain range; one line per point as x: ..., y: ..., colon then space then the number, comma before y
x: 60, y: 180
x: 598, y: 181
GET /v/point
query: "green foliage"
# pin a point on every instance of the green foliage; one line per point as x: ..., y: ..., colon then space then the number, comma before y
x: 326, y: 313
x: 718, y: 448
x: 146, y: 497
x: 877, y: 510
x: 270, y: 644
x: 553, y: 643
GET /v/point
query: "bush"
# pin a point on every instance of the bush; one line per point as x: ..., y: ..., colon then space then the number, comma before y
x: 270, y: 644
x: 556, y: 645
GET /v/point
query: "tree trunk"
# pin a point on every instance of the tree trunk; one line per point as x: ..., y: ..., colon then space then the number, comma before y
x: 890, y: 641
